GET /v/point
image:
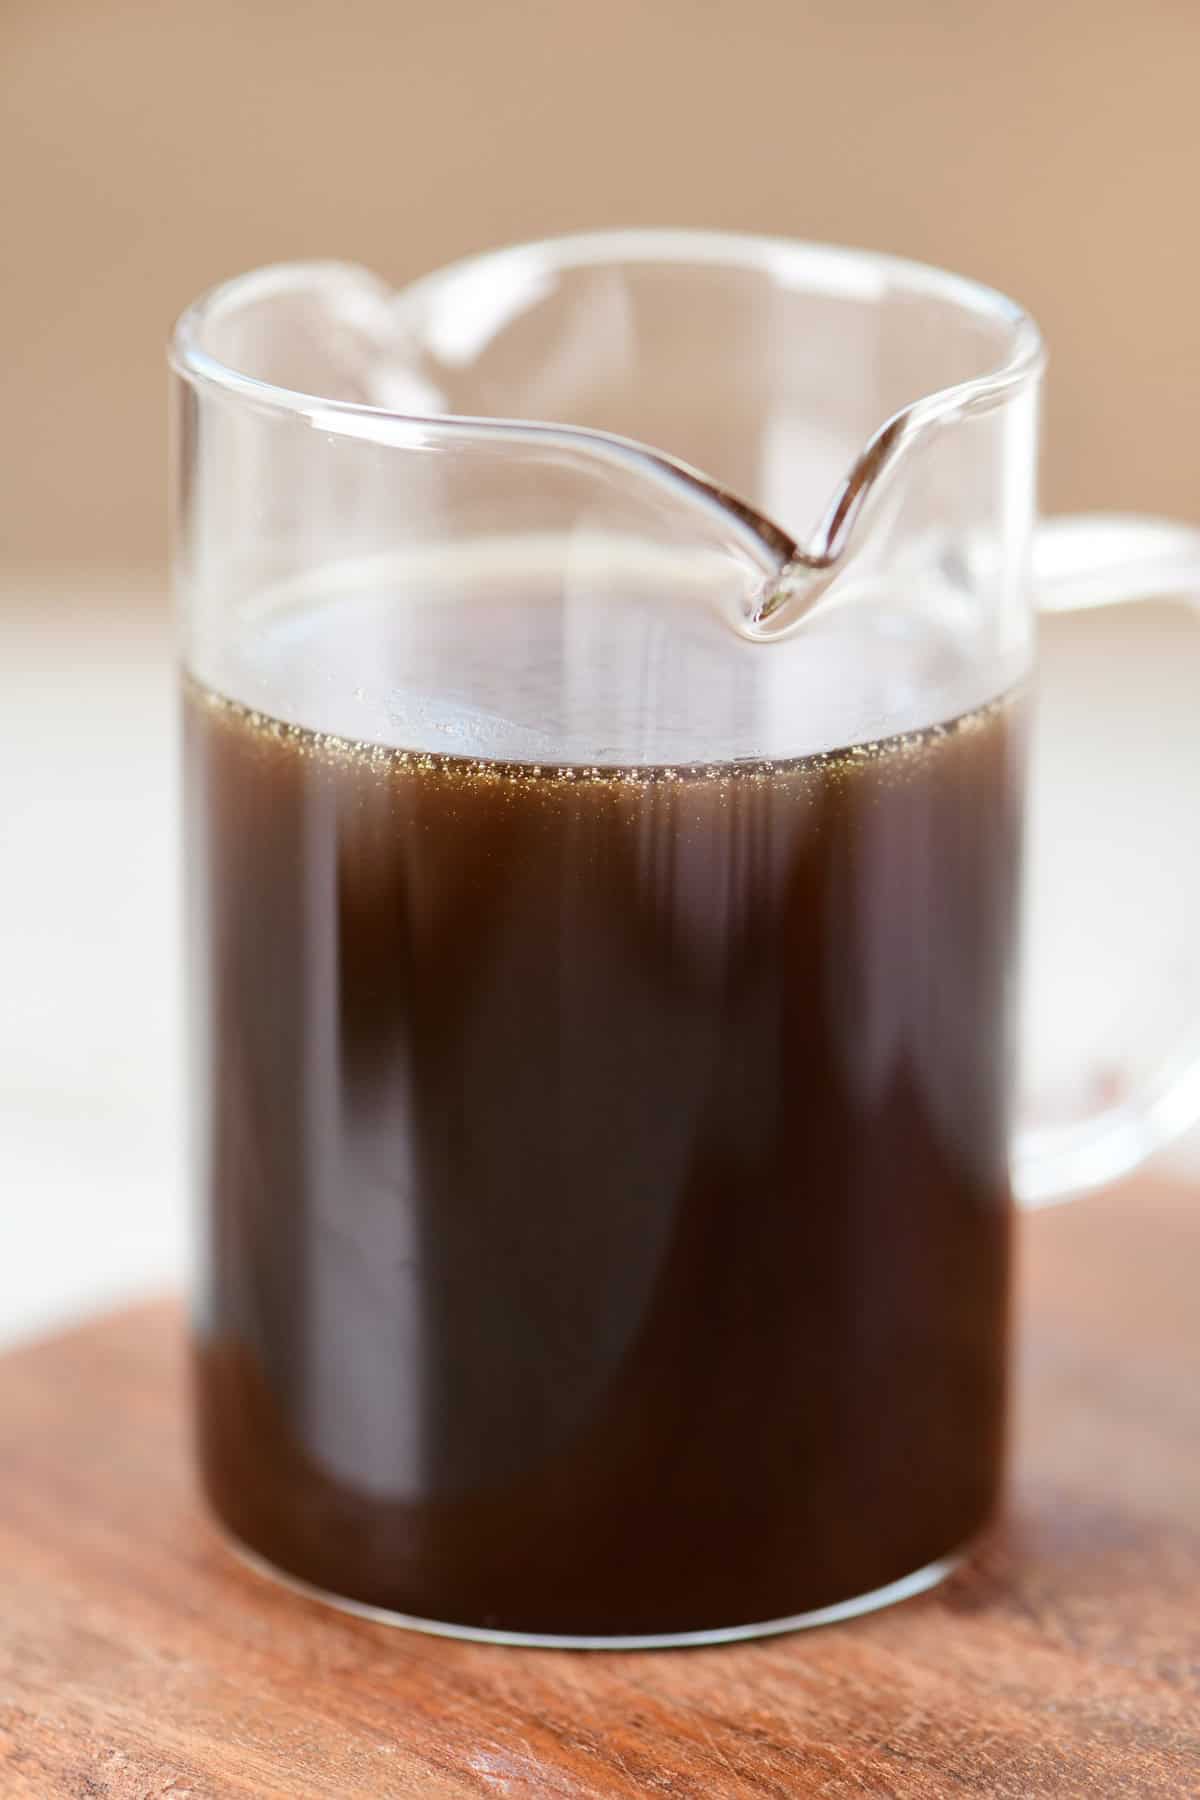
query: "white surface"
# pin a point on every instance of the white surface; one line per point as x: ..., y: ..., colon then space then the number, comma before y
x: 91, y: 1189
x: 92, y: 1205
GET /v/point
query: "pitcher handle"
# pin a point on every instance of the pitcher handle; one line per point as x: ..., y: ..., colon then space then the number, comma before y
x: 1119, y: 1110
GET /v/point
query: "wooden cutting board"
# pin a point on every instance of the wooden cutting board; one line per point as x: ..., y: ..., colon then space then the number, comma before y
x: 138, y: 1660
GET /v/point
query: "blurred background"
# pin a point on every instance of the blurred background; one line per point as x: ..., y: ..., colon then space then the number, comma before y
x: 152, y: 147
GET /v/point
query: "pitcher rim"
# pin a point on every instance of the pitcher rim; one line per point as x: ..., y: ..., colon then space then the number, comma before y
x: 836, y: 270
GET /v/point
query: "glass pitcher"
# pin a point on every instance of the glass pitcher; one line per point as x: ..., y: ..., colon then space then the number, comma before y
x: 606, y: 669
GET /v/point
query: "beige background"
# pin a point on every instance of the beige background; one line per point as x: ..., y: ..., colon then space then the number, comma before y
x: 149, y: 147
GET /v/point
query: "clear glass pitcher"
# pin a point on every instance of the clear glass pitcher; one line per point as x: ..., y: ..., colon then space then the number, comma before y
x: 606, y: 672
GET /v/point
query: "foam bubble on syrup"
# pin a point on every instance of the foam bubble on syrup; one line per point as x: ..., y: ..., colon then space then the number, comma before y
x: 505, y: 653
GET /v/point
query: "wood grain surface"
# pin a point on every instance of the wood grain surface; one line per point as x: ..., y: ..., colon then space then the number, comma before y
x: 139, y: 1660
